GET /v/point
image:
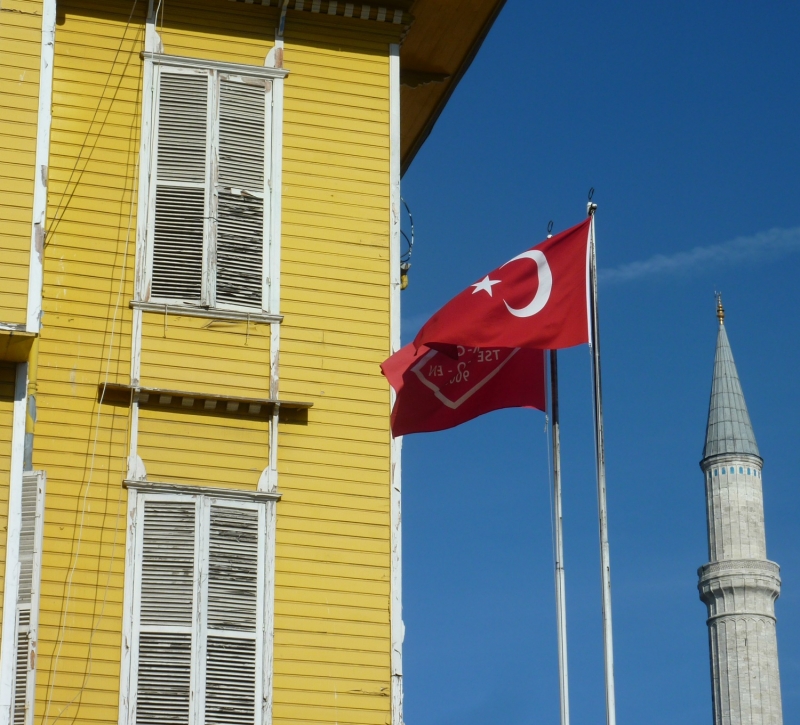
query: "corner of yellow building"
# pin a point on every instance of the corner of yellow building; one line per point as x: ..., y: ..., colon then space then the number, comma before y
x: 199, y: 231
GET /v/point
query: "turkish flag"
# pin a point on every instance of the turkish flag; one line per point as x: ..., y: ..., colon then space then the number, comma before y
x: 435, y: 391
x: 539, y: 299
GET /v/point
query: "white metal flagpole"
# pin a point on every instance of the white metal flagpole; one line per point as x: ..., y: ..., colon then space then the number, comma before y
x: 605, y: 562
x: 561, y: 601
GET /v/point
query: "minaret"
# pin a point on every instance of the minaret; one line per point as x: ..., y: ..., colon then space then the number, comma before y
x: 739, y: 584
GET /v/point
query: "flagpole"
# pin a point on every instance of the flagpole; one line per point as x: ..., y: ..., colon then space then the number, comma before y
x: 605, y: 562
x: 561, y: 603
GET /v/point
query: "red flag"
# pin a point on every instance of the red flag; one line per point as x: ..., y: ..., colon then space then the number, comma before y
x: 539, y: 299
x: 435, y: 391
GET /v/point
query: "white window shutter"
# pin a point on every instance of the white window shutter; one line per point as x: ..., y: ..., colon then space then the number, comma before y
x: 27, y: 537
x: 166, y: 613
x: 232, y: 622
x: 240, y: 191
x: 21, y: 665
x: 199, y: 651
x: 29, y: 557
x: 181, y: 182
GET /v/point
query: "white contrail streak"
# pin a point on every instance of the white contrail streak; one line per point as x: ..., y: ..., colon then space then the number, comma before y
x: 767, y: 245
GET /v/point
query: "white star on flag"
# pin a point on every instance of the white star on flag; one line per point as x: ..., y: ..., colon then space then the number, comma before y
x: 485, y: 285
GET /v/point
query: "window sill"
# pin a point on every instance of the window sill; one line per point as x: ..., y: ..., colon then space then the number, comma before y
x: 209, y: 312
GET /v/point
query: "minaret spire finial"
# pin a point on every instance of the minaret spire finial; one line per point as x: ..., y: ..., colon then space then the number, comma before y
x: 720, y: 309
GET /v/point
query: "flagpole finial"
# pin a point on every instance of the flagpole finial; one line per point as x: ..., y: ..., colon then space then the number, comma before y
x: 591, y: 208
x: 720, y: 309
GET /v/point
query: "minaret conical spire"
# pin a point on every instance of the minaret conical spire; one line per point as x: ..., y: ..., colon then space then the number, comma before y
x: 739, y: 585
x: 729, y: 429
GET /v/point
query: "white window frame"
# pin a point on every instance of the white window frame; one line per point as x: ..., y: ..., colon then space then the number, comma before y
x: 143, y: 299
x: 139, y: 492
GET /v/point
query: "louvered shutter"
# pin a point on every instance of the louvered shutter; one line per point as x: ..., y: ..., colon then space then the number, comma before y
x: 233, y: 622
x: 240, y: 192
x: 181, y: 183
x: 28, y: 545
x: 166, y: 613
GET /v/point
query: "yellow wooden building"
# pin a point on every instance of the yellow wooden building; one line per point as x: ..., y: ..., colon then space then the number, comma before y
x: 199, y: 275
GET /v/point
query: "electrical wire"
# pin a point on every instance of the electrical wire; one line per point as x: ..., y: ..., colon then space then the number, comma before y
x: 77, y: 542
x: 62, y: 204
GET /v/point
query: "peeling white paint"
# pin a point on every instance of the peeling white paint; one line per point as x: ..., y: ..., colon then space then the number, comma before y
x: 396, y: 611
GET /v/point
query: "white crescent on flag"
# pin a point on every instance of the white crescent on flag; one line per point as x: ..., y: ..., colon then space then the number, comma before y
x: 545, y: 284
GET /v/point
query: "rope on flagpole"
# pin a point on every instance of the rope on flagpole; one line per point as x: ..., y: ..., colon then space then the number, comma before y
x: 560, y: 579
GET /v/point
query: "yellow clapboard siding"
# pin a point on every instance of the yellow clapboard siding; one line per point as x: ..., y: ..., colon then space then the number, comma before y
x: 351, y: 698
x: 333, y: 539
x: 20, y: 38
x: 175, y: 449
x: 346, y: 487
x: 366, y: 270
x: 340, y: 435
x: 299, y: 647
x: 319, y: 526
x: 92, y: 191
x: 363, y: 672
x: 336, y: 499
x: 292, y: 714
x: 349, y: 614
x: 330, y: 513
x: 354, y: 201
x: 7, y: 377
x: 334, y: 351
x: 345, y: 164
x: 341, y: 340
x: 286, y: 632
x: 322, y: 553
x: 17, y: 163
x: 368, y: 626
x: 196, y: 354
x: 366, y: 331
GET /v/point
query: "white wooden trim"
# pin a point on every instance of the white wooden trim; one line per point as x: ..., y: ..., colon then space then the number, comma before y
x: 202, y: 64
x: 178, y: 489
x: 36, y: 581
x: 141, y: 278
x: 125, y: 704
x: 8, y: 644
x: 215, y: 313
x: 209, y: 284
x: 261, y: 611
x: 200, y: 624
x: 276, y: 194
x: 270, y: 513
x: 269, y: 479
x: 43, y: 125
x: 266, y: 229
x: 396, y: 607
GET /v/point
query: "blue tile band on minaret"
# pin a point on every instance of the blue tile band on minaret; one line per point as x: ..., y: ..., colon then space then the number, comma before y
x: 739, y: 585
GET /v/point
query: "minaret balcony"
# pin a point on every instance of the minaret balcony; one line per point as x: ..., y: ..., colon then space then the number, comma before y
x: 740, y: 587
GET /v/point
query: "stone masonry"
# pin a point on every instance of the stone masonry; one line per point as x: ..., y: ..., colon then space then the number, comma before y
x: 739, y: 584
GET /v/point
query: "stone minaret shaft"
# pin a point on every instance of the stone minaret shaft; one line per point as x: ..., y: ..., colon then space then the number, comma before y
x: 739, y: 584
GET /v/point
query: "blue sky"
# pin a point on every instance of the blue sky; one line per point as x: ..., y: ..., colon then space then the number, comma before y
x: 684, y: 117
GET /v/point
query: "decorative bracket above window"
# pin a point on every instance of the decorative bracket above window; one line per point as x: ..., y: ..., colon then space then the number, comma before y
x: 209, y: 403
